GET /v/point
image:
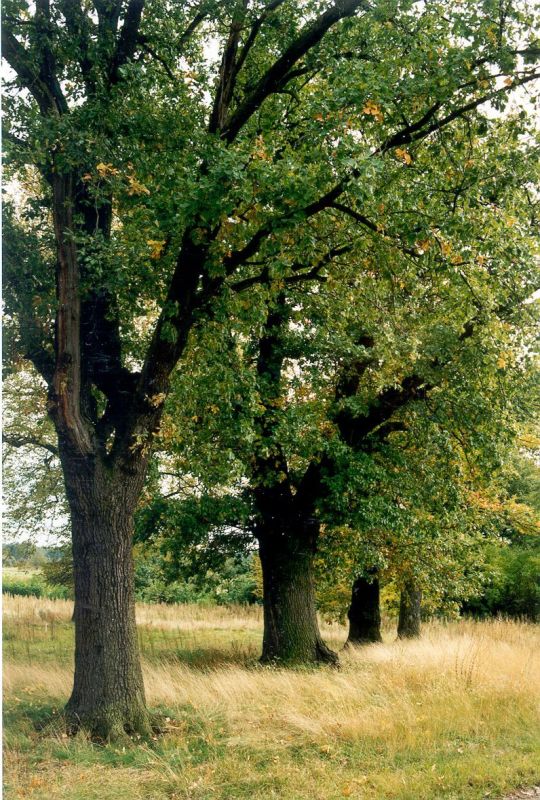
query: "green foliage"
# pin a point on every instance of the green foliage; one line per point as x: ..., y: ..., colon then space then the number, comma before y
x: 233, y: 581
x: 194, y: 550
x: 35, y: 505
x: 34, y: 586
x: 58, y: 571
x: 194, y: 535
x: 17, y: 553
x: 512, y: 585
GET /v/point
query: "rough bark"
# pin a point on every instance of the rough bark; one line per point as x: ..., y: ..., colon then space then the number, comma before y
x: 291, y: 628
x: 364, y: 612
x: 65, y: 394
x: 410, y: 607
x: 108, y: 693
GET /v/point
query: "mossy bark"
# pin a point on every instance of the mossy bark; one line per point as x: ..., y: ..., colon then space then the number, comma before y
x: 291, y: 628
x: 410, y: 608
x: 108, y: 697
x: 364, y: 612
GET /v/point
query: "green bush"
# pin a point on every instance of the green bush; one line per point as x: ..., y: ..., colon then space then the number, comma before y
x: 232, y: 583
x: 513, y: 586
x: 34, y: 587
x: 177, y: 592
x: 58, y: 570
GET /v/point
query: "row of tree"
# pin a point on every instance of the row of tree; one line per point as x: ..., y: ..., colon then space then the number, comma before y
x: 307, y: 228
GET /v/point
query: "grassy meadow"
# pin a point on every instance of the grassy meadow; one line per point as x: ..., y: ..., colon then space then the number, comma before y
x: 453, y: 716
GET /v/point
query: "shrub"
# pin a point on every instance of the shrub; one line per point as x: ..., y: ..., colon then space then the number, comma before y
x: 34, y: 587
x: 513, y: 589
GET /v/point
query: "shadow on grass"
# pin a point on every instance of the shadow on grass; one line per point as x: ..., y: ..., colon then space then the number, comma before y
x: 30, y: 716
x: 208, y: 658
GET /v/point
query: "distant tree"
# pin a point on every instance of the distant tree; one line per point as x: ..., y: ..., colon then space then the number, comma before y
x: 34, y: 496
x: 511, y: 584
x: 58, y: 570
x: 364, y: 611
x: 17, y: 553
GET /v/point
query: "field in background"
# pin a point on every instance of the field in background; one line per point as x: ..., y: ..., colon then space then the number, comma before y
x: 453, y: 716
x: 19, y: 573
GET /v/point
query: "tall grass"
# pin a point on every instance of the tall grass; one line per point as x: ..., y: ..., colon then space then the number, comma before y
x: 453, y: 715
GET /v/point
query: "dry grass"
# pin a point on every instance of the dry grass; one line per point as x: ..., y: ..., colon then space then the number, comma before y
x: 159, y: 616
x: 453, y: 715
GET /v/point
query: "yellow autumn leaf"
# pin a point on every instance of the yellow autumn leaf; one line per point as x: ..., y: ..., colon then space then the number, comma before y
x: 403, y: 155
x: 157, y: 246
x: 373, y: 110
x: 106, y: 169
x: 136, y: 187
x: 157, y: 399
x: 423, y: 246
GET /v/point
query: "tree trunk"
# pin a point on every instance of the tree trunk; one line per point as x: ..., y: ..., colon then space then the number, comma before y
x: 291, y: 628
x: 108, y: 693
x: 409, y: 611
x: 364, y: 612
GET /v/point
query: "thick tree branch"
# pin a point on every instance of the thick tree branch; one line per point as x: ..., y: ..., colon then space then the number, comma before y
x: 270, y: 470
x: 168, y: 342
x: 354, y: 428
x: 227, y: 71
x: 78, y: 26
x: 15, y: 440
x: 330, y: 198
x: 255, y: 280
x: 191, y: 28
x: 47, y: 69
x: 240, y: 256
x: 16, y: 56
x: 273, y: 79
x: 108, y: 12
x: 255, y: 28
x: 65, y: 392
x: 416, y: 131
x: 127, y: 40
x: 39, y: 357
x: 419, y: 131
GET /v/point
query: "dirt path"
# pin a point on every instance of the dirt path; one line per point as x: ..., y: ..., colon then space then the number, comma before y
x: 522, y: 794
